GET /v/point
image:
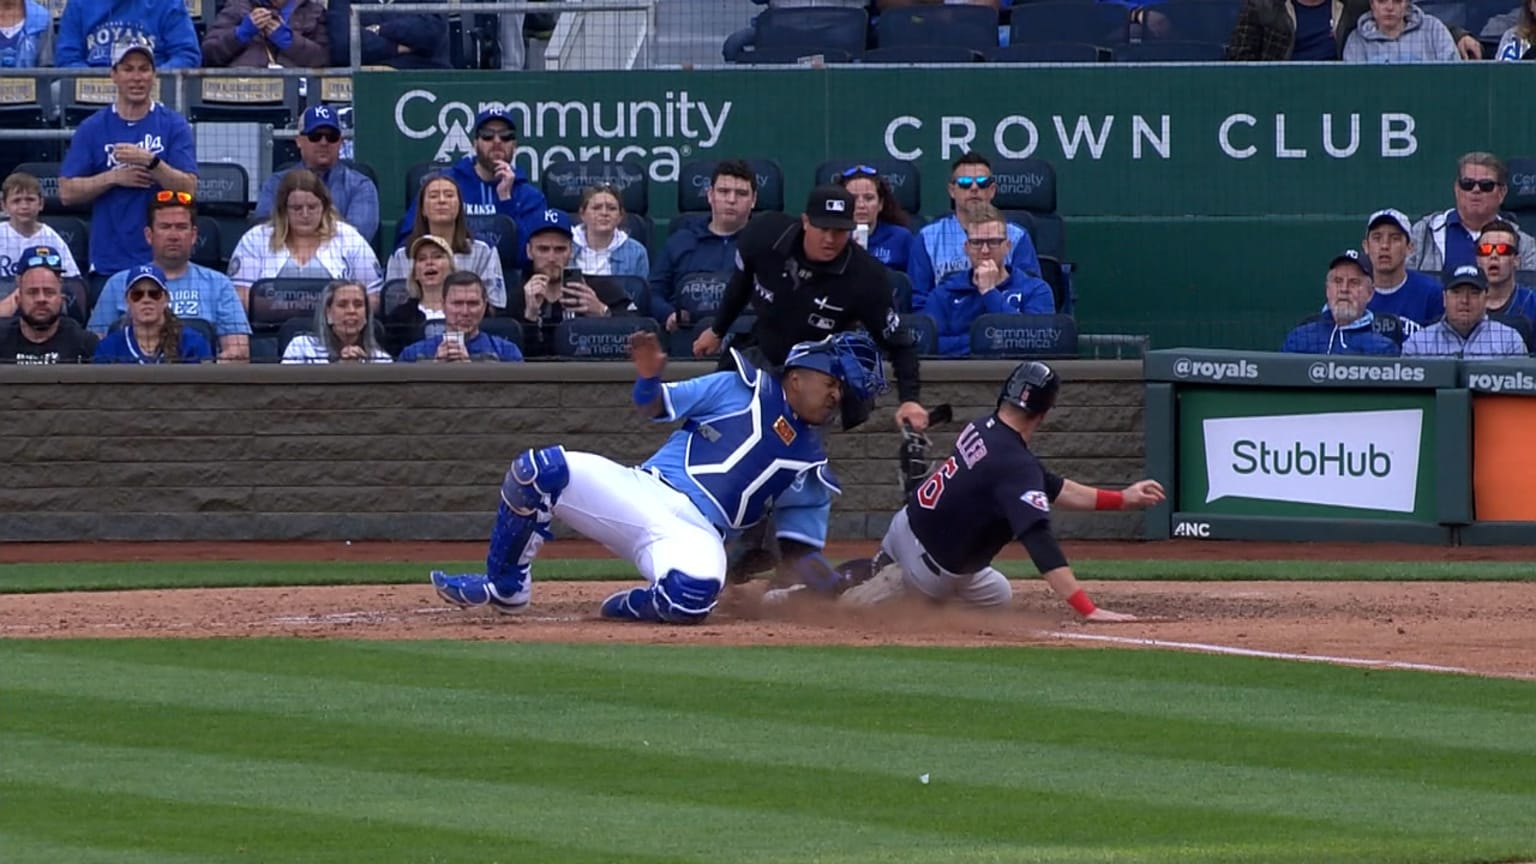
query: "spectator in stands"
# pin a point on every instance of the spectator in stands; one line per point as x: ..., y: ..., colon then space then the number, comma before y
x: 1466, y: 330
x: 124, y: 153
x: 305, y: 239
x: 26, y: 35
x: 464, y: 301
x: 1347, y: 325
x: 874, y: 205
x: 342, y: 331
x: 440, y: 210
x: 1517, y: 40
x: 196, y: 291
x: 489, y: 184
x: 555, y: 291
x: 1408, y: 294
x: 1498, y: 248
x: 1397, y: 31
x: 399, y: 41
x: 353, y: 194
x: 40, y: 333
x: 940, y: 249
x: 1444, y: 241
x: 261, y: 34
x: 422, y: 315
x: 21, y: 233
x: 989, y: 286
x: 1309, y: 30
x: 152, y: 333
x: 602, y: 247
x: 696, y: 246
x: 91, y: 33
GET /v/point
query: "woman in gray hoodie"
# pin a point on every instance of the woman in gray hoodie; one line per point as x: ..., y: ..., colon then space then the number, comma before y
x: 1397, y: 31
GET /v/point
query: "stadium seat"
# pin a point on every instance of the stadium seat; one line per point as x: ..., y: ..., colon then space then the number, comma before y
x: 789, y: 56
x: 500, y: 233
x: 966, y: 26
x: 26, y: 103
x: 208, y: 251
x: 274, y: 302
x: 203, y: 328
x: 394, y: 293
x: 901, y: 290
x: 1521, y: 324
x: 599, y: 338
x: 693, y: 184
x: 1521, y: 199
x: 1209, y: 21
x: 1093, y: 23
x: 1059, y: 277
x: 924, y: 53
x: 564, y: 183
x: 902, y: 176
x: 417, y: 175
x: 698, y: 295
x: 1024, y: 336
x: 923, y: 330
x: 1171, y: 52
x: 633, y: 287
x: 79, y: 98
x: 509, y: 329
x: 1048, y: 52
x: 223, y: 195
x: 306, y: 325
x: 47, y: 174
x: 75, y: 233
x: 1029, y: 185
x: 243, y: 100
x: 808, y: 31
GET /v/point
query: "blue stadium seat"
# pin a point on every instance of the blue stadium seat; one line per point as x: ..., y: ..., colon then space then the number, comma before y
x: 27, y: 103
x: 274, y: 302
x: 967, y: 26
x: 509, y: 329
x: 918, y: 53
x: 1208, y: 21
x: 243, y: 100
x: 1171, y: 52
x: 563, y: 183
x: 500, y: 233
x: 599, y: 338
x: 809, y: 31
x: 208, y: 251
x: 693, y: 183
x: 76, y: 235
x: 1048, y: 52
x: 633, y: 287
x: 417, y: 174
x: 1024, y: 336
x: 698, y: 295
x: 394, y: 292
x: 1093, y: 23
x: 1029, y: 185
x: 902, y: 176
x: 923, y: 330
x: 1059, y: 277
x: 223, y: 195
x: 901, y: 290
x: 1521, y: 200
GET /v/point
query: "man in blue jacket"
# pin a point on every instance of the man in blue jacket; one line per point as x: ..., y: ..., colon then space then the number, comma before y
x: 398, y: 41
x: 1347, y: 326
x: 489, y: 184
x: 696, y: 246
x: 990, y: 285
x: 89, y: 29
x: 940, y: 249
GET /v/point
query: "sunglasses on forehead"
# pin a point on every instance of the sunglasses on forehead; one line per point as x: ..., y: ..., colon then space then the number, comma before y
x: 43, y: 260
x: 166, y: 196
x: 1487, y: 249
x: 1467, y: 184
x: 492, y: 135
x: 329, y: 136
x: 861, y: 171
x: 978, y: 182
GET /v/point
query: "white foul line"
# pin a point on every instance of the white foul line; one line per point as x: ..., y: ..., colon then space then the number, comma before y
x: 1254, y: 652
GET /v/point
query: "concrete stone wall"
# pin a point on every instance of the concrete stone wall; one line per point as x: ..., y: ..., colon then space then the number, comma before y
x: 418, y: 452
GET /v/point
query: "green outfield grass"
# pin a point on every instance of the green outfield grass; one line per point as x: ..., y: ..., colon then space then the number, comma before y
x: 213, y: 574
x: 331, y: 751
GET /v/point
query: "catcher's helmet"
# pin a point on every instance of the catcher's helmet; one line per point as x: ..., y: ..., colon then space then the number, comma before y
x: 852, y: 358
x: 1032, y: 386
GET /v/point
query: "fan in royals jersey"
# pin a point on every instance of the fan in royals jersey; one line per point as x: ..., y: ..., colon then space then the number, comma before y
x: 748, y: 439
x: 990, y: 491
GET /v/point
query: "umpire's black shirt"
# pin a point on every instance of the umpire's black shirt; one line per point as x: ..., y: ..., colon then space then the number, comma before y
x: 797, y: 300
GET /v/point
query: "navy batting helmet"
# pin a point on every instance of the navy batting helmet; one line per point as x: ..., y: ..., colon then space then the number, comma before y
x: 1032, y: 386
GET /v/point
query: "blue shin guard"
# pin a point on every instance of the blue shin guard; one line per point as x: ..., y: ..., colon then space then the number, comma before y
x: 528, y: 494
x: 535, y: 480
x: 676, y: 598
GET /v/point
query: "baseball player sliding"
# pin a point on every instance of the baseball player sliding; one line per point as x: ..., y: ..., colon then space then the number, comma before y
x: 747, y: 439
x: 990, y: 491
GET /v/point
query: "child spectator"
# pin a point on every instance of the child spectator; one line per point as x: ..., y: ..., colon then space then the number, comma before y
x: 1397, y: 31
x: 89, y: 30
x: 21, y: 233
x: 262, y: 34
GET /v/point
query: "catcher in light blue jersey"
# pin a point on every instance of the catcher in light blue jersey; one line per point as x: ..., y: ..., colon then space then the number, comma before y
x: 748, y: 439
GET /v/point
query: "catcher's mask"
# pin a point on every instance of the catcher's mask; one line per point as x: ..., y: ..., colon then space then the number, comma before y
x: 854, y: 360
x: 1032, y: 386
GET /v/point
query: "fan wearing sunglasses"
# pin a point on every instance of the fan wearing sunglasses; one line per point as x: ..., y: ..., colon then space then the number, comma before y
x: 353, y: 195
x: 153, y: 333
x: 874, y: 206
x: 263, y: 34
x: 988, y: 287
x: 40, y: 333
x: 940, y: 249
x: 1498, y: 250
x: 1443, y: 241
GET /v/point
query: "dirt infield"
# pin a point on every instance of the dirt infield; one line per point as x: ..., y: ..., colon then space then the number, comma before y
x: 1478, y: 628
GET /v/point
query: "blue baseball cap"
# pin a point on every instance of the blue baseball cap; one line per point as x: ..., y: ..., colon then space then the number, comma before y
x: 1466, y: 274
x: 1353, y: 256
x: 41, y: 256
x: 146, y: 271
x: 319, y: 117
x: 551, y: 220
x: 490, y: 114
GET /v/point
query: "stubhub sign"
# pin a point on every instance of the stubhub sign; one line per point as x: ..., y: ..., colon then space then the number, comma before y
x: 1364, y: 459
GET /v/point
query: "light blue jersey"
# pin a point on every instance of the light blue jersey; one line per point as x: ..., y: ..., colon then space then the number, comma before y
x: 197, y: 293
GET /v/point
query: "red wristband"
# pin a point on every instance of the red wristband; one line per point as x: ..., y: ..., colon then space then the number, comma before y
x: 1107, y: 500
x: 1079, y: 601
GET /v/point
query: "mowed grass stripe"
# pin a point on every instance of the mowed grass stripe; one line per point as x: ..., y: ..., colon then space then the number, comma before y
x: 906, y: 737
x: 22, y: 848
x: 129, y: 575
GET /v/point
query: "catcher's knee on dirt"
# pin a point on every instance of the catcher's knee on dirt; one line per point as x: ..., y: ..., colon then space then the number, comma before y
x: 534, y: 481
x: 684, y: 599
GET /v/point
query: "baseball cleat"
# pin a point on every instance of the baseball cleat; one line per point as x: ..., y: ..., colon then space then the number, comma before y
x: 780, y: 596
x: 631, y: 604
x: 475, y: 589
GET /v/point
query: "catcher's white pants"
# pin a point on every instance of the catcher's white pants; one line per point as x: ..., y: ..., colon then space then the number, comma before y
x: 914, y: 570
x: 639, y: 518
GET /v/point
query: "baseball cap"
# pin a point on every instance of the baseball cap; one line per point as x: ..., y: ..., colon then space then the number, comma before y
x: 1396, y: 218
x: 319, y: 117
x: 1354, y: 257
x: 146, y: 271
x: 551, y: 220
x: 830, y: 207
x: 431, y: 240
x: 123, y: 49
x: 41, y: 256
x: 1466, y: 274
x: 490, y: 114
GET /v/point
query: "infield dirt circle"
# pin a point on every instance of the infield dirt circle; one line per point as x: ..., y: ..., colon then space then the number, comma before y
x: 1476, y: 628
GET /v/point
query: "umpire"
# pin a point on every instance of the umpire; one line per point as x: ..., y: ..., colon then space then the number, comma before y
x: 806, y: 281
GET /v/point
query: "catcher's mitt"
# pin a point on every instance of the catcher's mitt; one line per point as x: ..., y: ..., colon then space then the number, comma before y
x: 913, y: 456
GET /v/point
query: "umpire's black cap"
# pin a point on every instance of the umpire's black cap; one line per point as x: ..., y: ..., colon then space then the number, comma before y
x: 830, y: 207
x: 1032, y: 386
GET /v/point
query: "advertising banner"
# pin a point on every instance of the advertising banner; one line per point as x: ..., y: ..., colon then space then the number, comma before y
x: 1503, y: 455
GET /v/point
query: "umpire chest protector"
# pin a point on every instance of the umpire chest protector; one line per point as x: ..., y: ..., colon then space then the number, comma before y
x: 743, y: 460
